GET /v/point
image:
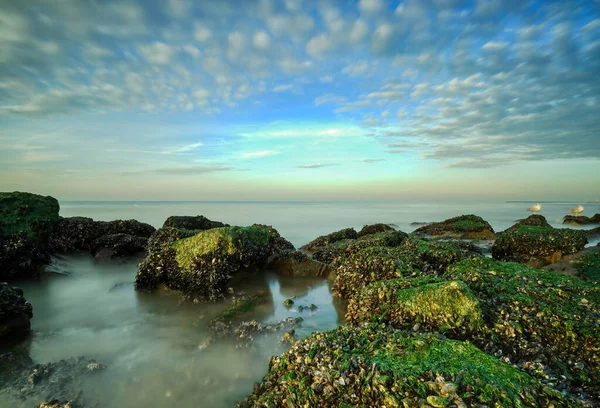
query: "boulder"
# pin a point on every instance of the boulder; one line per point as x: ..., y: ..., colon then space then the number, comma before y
x: 429, y: 304
x: 325, y: 240
x: 581, y: 219
x: 298, y: 264
x: 376, y: 367
x: 26, y: 221
x: 202, y: 265
x: 537, y: 246
x: 118, y: 246
x: 463, y: 227
x: 534, y: 220
x: 544, y: 322
x: 374, y: 229
x: 199, y: 222
x: 76, y: 234
x: 15, y: 314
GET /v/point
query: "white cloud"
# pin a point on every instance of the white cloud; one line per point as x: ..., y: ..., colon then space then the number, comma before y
x: 157, y: 53
x: 359, y: 32
x: 192, y: 50
x: 201, y: 33
x: 320, y: 45
x: 261, y: 40
x: 371, y: 6
x: 201, y: 95
x: 330, y: 98
x: 494, y: 46
x: 358, y: 68
x: 294, y: 66
x: 262, y: 153
x: 283, y: 88
x: 326, y: 79
x: 183, y: 149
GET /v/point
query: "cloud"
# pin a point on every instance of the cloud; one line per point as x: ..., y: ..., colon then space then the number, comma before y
x: 316, y: 166
x: 372, y: 160
x: 192, y: 170
x: 320, y: 45
x: 261, y: 40
x: 201, y: 33
x: 330, y: 98
x: 37, y: 156
x: 183, y: 149
x: 262, y: 153
x: 372, y: 7
x: 157, y: 53
x: 283, y: 88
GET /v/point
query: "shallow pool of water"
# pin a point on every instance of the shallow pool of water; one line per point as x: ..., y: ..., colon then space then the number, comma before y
x: 151, y: 344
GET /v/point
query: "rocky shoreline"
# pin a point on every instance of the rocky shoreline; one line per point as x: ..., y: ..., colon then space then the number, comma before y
x: 431, y: 320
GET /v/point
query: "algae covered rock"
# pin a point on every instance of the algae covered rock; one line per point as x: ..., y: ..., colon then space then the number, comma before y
x: 15, y: 314
x: 325, y: 240
x: 118, y: 246
x: 537, y: 246
x: 375, y: 367
x: 543, y: 321
x: 26, y: 221
x: 581, y: 219
x: 588, y: 265
x: 534, y: 220
x: 298, y: 264
x: 374, y: 229
x: 430, y: 303
x: 198, y: 222
x: 202, y: 265
x: 463, y: 227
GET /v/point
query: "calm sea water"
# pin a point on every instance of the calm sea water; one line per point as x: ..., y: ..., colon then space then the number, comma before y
x: 151, y: 344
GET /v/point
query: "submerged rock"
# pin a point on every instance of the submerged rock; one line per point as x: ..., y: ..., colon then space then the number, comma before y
x: 203, y: 265
x: 245, y: 332
x: 26, y: 221
x: 538, y: 316
x: 76, y: 234
x: 581, y: 219
x: 463, y: 227
x: 374, y: 367
x: 537, y: 246
x: 15, y: 314
x: 199, y: 222
x: 374, y: 229
x: 431, y: 303
x: 298, y: 264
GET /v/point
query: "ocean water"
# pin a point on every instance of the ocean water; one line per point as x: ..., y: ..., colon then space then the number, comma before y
x: 153, y: 345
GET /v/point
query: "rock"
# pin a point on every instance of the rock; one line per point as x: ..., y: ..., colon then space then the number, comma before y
x: 245, y: 332
x: 78, y: 234
x: 298, y: 264
x: 370, y: 367
x: 203, y: 265
x: 15, y: 314
x: 324, y: 240
x: 534, y: 220
x: 288, y: 338
x: 374, y: 229
x: 581, y: 219
x: 118, y: 246
x: 25, y: 224
x: 288, y: 303
x: 593, y: 233
x: 584, y: 264
x: 199, y: 223
x: 538, y: 316
x: 537, y: 246
x: 433, y: 304
x: 414, y: 257
x: 57, y: 404
x: 463, y: 227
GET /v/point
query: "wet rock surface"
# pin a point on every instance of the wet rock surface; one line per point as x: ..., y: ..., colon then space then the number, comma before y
x: 581, y: 219
x: 202, y: 265
x: 534, y: 220
x: 26, y: 221
x: 463, y: 227
x: 15, y: 314
x: 376, y: 366
x: 374, y: 229
x: 536, y: 245
x: 297, y: 264
x: 325, y: 240
x: 118, y: 246
x: 57, y: 384
x: 199, y: 222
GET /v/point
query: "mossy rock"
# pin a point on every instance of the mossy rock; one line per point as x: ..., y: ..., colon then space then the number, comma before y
x: 324, y: 240
x: 26, y: 221
x: 538, y: 318
x: 198, y: 222
x: 534, y: 220
x: 463, y: 227
x: 413, y: 257
x: 432, y: 304
x: 537, y: 246
x: 241, y: 307
x: 202, y: 265
x: 373, y: 367
x: 375, y: 229
x: 588, y: 266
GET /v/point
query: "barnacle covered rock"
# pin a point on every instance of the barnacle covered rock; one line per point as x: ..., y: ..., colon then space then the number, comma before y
x: 538, y: 316
x: 375, y: 367
x: 581, y: 219
x: 463, y: 227
x: 324, y: 240
x: 374, y: 229
x: 431, y: 303
x: 202, y: 265
x: 537, y: 246
x: 198, y: 222
x: 15, y: 314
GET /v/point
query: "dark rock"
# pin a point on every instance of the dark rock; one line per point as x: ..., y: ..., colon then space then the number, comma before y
x: 118, y: 246
x: 245, y: 332
x: 581, y: 219
x: 463, y: 227
x: 534, y: 220
x: 298, y: 264
x: 374, y: 229
x: 15, y: 314
x: 77, y: 234
x: 537, y: 246
x: 199, y: 222
x: 25, y: 224
x: 324, y: 240
x: 375, y: 367
x: 203, y: 265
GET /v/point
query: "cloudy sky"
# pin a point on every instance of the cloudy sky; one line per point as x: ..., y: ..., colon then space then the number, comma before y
x: 300, y: 99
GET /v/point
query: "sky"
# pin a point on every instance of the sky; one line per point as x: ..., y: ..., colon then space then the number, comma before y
x: 300, y: 99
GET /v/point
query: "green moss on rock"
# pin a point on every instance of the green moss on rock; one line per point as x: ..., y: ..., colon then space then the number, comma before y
x: 537, y: 246
x: 431, y: 303
x: 368, y: 367
x: 324, y: 240
x: 547, y: 323
x: 588, y: 266
x: 463, y: 227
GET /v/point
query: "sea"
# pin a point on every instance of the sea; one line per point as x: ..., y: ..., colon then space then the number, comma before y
x: 156, y: 348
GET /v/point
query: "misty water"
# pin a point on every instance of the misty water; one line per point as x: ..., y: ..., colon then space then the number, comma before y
x: 153, y: 345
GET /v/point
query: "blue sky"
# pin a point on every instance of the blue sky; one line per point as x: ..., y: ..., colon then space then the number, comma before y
x: 300, y: 99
